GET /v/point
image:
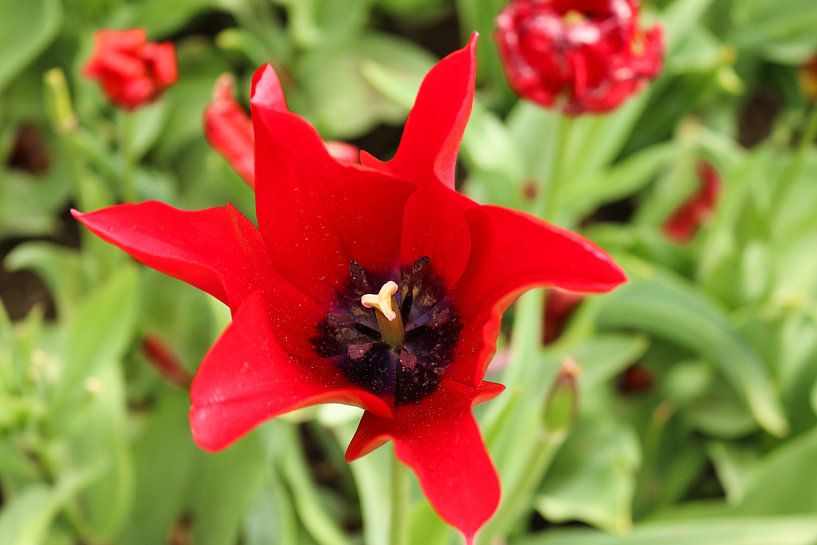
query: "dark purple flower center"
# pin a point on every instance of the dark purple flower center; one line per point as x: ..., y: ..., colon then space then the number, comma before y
x: 350, y: 334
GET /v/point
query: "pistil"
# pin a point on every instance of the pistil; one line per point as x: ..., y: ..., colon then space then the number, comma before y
x: 387, y: 313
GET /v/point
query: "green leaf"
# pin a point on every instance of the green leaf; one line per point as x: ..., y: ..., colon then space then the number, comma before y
x: 161, y: 22
x: 163, y: 459
x: 735, y: 466
x: 25, y: 518
x: 621, y: 180
x: 666, y: 306
x: 374, y: 491
x: 225, y: 485
x: 312, y: 512
x: 782, y: 25
x: 148, y: 122
x: 680, y: 18
x: 271, y: 518
x: 715, y: 531
x: 101, y: 330
x: 26, y: 28
x: 337, y: 97
x: 96, y: 437
x: 28, y: 204
x: 593, y: 477
x: 785, y: 482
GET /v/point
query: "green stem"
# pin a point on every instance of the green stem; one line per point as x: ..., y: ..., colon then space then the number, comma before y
x: 523, y: 485
x: 527, y: 328
x: 126, y: 131
x: 547, y: 202
x: 398, y: 529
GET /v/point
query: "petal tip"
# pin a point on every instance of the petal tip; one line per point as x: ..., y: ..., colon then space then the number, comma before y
x: 266, y: 89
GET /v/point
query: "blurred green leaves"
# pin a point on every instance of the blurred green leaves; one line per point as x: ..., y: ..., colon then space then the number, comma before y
x: 25, y: 30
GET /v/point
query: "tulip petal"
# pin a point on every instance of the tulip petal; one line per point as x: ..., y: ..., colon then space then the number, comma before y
x: 217, y: 250
x: 229, y: 130
x: 439, y: 439
x: 316, y: 214
x: 436, y: 123
x: 247, y: 378
x: 517, y: 252
x: 434, y: 225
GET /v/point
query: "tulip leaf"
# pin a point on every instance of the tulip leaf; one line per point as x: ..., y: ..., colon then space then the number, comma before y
x: 271, y: 517
x: 100, y: 330
x: 314, y: 515
x: 225, y: 485
x: 620, y: 180
x: 26, y: 517
x: 703, y: 531
x: 735, y: 467
x: 336, y: 95
x: 26, y: 28
x: 97, y: 438
x: 785, y: 27
x: 28, y: 204
x: 668, y: 307
x: 680, y: 18
x: 592, y: 478
x: 163, y: 458
x: 785, y: 481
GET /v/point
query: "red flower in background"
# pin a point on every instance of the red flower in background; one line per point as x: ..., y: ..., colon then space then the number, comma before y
x: 376, y: 285
x: 578, y: 55
x: 559, y: 306
x: 688, y: 218
x: 229, y: 130
x: 131, y: 70
x: 807, y: 76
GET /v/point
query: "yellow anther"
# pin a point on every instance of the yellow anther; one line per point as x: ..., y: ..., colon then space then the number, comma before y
x: 382, y: 301
x: 573, y: 17
x: 388, y: 315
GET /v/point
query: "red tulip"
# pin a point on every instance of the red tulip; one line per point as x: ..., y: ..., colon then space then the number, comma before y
x: 131, y: 70
x: 688, y: 218
x: 228, y: 128
x: 577, y: 55
x: 376, y: 285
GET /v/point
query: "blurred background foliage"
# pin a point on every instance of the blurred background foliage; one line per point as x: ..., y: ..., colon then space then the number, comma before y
x: 697, y: 398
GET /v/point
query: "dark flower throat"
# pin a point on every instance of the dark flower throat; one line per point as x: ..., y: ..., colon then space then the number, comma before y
x: 349, y: 334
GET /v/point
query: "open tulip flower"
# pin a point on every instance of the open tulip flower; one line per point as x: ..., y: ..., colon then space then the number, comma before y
x: 372, y: 284
x: 578, y: 55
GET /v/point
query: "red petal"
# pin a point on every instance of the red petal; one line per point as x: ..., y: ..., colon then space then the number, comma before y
x: 246, y: 378
x: 229, y: 130
x: 162, y: 57
x: 434, y: 225
x: 317, y: 214
x: 439, y: 439
x: 343, y: 151
x: 266, y: 89
x: 511, y: 253
x: 682, y: 225
x: 217, y: 250
x: 434, y: 128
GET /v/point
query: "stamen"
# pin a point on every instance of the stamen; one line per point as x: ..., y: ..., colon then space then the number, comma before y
x: 573, y: 17
x: 387, y: 313
x: 382, y: 301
